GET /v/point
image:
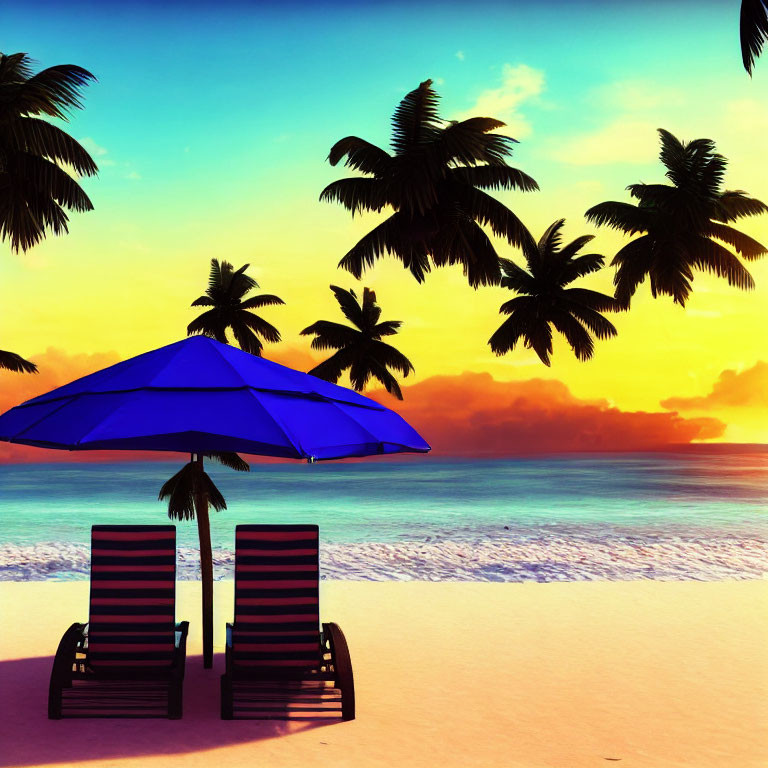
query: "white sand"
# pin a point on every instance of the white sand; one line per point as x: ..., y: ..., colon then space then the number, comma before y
x: 635, y: 674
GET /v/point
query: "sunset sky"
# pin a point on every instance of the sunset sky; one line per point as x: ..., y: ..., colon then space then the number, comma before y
x: 211, y: 124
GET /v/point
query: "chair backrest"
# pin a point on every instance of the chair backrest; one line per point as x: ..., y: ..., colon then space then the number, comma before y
x: 277, y: 622
x: 133, y: 594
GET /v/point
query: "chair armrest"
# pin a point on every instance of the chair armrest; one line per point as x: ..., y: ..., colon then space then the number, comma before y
x: 342, y: 665
x: 228, y: 649
x: 63, y: 661
x: 180, y: 651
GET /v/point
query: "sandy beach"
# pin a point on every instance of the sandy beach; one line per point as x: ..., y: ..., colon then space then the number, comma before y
x: 644, y: 674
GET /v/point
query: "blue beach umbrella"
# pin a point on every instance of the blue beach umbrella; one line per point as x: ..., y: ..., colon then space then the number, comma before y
x: 199, y: 396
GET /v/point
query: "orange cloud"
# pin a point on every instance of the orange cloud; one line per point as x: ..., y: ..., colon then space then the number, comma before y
x: 747, y: 389
x: 466, y: 415
x: 293, y: 357
x: 56, y: 368
x: 474, y: 415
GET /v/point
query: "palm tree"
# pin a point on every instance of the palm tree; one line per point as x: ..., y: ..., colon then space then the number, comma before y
x: 681, y: 224
x: 753, y: 30
x: 34, y: 187
x: 434, y: 181
x: 10, y: 361
x: 226, y: 289
x: 545, y: 302
x: 359, y: 349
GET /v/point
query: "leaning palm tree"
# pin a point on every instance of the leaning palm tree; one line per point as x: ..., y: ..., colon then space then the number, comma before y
x: 545, y: 302
x: 434, y: 181
x: 680, y: 225
x: 35, y: 188
x: 753, y: 30
x: 10, y: 361
x: 226, y: 289
x: 359, y: 349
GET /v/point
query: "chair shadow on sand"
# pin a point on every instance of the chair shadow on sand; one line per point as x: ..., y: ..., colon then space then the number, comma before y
x: 28, y: 737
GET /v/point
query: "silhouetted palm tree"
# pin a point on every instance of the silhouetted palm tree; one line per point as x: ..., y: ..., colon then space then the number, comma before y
x: 434, y: 181
x: 10, y: 361
x: 545, y: 302
x: 34, y: 189
x: 226, y: 289
x: 681, y: 224
x: 359, y: 349
x: 753, y: 30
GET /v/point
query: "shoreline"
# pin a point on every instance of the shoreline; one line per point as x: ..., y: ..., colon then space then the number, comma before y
x: 535, y: 558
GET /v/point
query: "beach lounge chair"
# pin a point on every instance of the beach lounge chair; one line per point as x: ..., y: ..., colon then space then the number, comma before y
x: 128, y: 661
x: 279, y: 665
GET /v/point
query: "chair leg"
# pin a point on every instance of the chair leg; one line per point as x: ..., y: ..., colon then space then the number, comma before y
x: 54, y: 701
x: 175, y: 698
x: 227, y: 703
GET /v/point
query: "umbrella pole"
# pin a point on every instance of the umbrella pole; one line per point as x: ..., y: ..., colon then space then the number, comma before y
x: 206, y: 565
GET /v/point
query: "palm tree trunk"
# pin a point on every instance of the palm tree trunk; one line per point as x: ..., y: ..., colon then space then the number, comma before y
x: 206, y: 566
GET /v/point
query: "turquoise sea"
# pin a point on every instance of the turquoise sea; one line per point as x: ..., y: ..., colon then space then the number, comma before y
x: 688, y: 515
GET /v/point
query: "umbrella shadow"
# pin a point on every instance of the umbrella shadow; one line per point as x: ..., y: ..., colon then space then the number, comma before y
x: 29, y: 738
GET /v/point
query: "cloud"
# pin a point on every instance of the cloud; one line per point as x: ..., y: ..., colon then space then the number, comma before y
x: 620, y: 141
x: 732, y: 389
x: 471, y: 414
x: 518, y: 84
x: 293, y: 357
x: 133, y: 176
x: 98, y: 153
x: 459, y: 55
x: 474, y: 415
x: 56, y: 368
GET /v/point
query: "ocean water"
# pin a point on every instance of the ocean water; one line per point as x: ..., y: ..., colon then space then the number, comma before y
x: 578, y: 517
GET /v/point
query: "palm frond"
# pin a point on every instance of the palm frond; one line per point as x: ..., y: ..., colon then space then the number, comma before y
x: 356, y: 194
x: 259, y: 325
x: 416, y: 120
x: 753, y: 31
x: 506, y: 336
x: 361, y: 156
x: 182, y: 488
x: 581, y: 266
x: 209, y: 324
x: 10, y: 361
x: 593, y: 300
x: 625, y: 217
x: 370, y: 310
x: 718, y: 260
x: 349, y: 305
x: 633, y: 262
x: 747, y: 246
x: 41, y: 138
x: 736, y: 204
x: 380, y: 373
x: 388, y: 237
x: 203, y: 301
x: 246, y: 338
x: 387, y: 328
x: 597, y: 323
x: 576, y: 335
x: 329, y: 335
x: 494, y: 177
x: 487, y: 211
x: 516, y: 278
x: 390, y: 357
x: 332, y: 368
x: 231, y: 460
x: 53, y: 91
x: 263, y: 300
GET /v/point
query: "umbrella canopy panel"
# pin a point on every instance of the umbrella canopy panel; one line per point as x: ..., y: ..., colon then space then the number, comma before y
x: 199, y: 396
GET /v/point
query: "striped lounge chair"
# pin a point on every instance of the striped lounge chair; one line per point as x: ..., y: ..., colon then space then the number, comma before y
x: 279, y: 665
x: 128, y: 661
